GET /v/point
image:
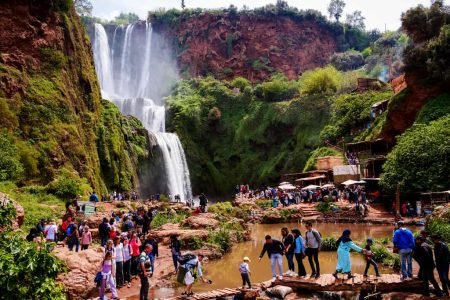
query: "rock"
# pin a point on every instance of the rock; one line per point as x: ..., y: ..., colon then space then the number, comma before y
x: 272, y: 216
x: 209, y: 251
x: 186, y: 235
x: 250, y: 294
x: 82, y: 268
x: 279, y: 291
x: 206, y: 220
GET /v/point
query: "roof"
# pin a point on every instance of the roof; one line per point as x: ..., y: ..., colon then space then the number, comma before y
x: 311, y: 178
x: 380, y: 103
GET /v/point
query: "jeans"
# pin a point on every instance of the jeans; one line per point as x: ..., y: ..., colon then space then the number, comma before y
x: 246, y: 280
x: 290, y: 260
x: 103, y: 240
x: 73, y: 242
x: 276, y: 259
x: 152, y: 263
x: 443, y: 276
x: 301, y: 267
x: 406, y: 262
x: 143, y: 293
x: 175, y: 261
x: 374, y: 264
x: 119, y: 273
x: 313, y: 253
x: 127, y: 270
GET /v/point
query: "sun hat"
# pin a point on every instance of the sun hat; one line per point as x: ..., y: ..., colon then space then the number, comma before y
x: 247, y: 259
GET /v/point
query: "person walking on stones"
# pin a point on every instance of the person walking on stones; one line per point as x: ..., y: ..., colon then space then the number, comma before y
x: 404, y: 245
x: 175, y: 248
x: 369, y: 259
x: 313, y: 241
x: 345, y: 244
x: 423, y: 254
x: 107, y: 277
x: 193, y: 268
x: 299, y: 252
x: 144, y: 271
x: 203, y: 202
x: 275, y: 250
x: 118, y: 247
x: 442, y: 256
x: 289, y: 246
x: 244, y: 269
x: 73, y: 236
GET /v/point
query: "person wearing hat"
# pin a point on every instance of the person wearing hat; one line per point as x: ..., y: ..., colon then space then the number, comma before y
x: 345, y: 245
x: 245, y: 272
x: 369, y: 259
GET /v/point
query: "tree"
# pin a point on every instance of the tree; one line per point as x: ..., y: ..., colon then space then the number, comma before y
x: 336, y: 8
x: 183, y: 6
x: 83, y: 7
x: 124, y: 18
x: 356, y: 20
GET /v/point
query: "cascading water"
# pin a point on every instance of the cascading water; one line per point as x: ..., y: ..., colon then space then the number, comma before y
x: 127, y: 75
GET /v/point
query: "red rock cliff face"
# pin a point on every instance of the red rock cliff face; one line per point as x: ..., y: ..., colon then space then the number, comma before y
x: 248, y: 46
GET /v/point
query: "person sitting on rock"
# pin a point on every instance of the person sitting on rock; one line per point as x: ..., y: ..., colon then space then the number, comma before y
x: 345, y: 243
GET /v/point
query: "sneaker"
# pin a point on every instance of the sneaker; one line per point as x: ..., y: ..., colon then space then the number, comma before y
x: 280, y: 277
x: 317, y: 276
x: 273, y: 279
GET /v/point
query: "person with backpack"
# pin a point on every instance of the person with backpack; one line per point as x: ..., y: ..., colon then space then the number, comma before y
x: 313, y: 241
x: 403, y: 245
x: 175, y: 247
x: 103, y: 231
x: 73, y: 236
x: 275, y: 250
x: 442, y: 256
x: 107, y: 277
x: 145, y: 271
x: 203, y: 202
x: 299, y: 251
x: 345, y: 244
x: 93, y: 197
x: 190, y: 269
x: 289, y: 246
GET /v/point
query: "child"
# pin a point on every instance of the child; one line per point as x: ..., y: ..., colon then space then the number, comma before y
x: 369, y: 257
x: 245, y: 272
x: 86, y: 238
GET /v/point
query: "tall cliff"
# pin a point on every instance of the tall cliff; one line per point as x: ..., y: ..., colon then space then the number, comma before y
x: 51, y: 113
x: 252, y: 44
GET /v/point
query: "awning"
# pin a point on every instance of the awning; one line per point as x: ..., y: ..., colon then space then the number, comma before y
x: 352, y: 182
x: 311, y: 178
x: 287, y: 187
x: 311, y: 187
x: 328, y: 185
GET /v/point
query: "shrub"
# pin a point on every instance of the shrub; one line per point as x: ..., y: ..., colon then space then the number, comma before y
x: 319, y: 81
x: 10, y: 166
x: 349, y: 60
x: 435, y: 108
x: 329, y: 244
x: 279, y: 88
x: 264, y: 204
x: 221, y: 208
x: 441, y: 227
x: 221, y: 238
x: 240, y: 82
x: 67, y: 185
x: 165, y: 217
x: 324, y: 207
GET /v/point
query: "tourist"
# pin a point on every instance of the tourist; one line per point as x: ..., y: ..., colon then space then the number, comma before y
x: 145, y: 271
x: 127, y: 250
x: 107, y: 278
x: 404, y: 245
x: 274, y: 249
x: 369, y: 259
x: 81, y: 227
x: 442, y: 256
x: 423, y: 254
x: 175, y: 248
x: 289, y: 246
x: 86, y: 238
x: 154, y: 254
x: 103, y: 231
x: 135, y: 244
x: 73, y: 236
x: 345, y: 244
x: 139, y: 223
x: 40, y: 226
x: 127, y: 224
x: 118, y: 247
x: 148, y: 217
x: 313, y: 241
x: 244, y: 269
x: 189, y: 278
x: 66, y: 222
x: 299, y: 251
x: 51, y: 231
x: 93, y: 197
x: 203, y: 202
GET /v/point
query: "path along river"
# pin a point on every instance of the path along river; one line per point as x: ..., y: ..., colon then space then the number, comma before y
x: 224, y: 273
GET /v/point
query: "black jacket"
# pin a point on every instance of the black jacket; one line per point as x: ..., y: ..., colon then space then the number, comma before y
x: 289, y: 240
x: 275, y: 247
x: 441, y: 254
x: 423, y: 254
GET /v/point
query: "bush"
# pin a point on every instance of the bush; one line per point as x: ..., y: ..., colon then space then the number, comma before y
x: 325, y: 207
x: 240, y: 82
x: 67, y: 185
x: 264, y: 204
x: 221, y: 238
x: 221, y: 208
x: 435, y: 108
x: 441, y: 227
x: 279, y: 88
x: 10, y: 166
x: 346, y: 61
x: 329, y: 244
x: 319, y: 81
x: 165, y: 217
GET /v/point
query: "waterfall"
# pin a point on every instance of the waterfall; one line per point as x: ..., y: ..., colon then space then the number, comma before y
x: 142, y: 76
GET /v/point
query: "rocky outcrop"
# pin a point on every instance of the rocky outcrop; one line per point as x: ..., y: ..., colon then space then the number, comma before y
x: 186, y: 235
x: 251, y: 46
x: 201, y: 221
x: 82, y: 268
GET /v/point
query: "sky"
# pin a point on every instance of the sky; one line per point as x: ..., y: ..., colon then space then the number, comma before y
x: 379, y: 14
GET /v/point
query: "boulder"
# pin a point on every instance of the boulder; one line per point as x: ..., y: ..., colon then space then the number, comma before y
x: 209, y: 251
x: 279, y: 291
x: 82, y: 267
x: 206, y: 220
x: 250, y: 294
x: 185, y: 235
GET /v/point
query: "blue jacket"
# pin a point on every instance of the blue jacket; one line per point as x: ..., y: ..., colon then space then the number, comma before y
x: 404, y: 239
x: 299, y: 245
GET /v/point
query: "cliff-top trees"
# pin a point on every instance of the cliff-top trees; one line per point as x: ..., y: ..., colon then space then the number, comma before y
x: 356, y: 19
x: 336, y: 8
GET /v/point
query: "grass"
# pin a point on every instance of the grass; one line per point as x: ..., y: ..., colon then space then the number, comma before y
x: 165, y: 217
x: 36, y: 203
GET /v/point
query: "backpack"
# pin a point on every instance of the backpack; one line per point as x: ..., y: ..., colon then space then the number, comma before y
x: 183, y: 259
x: 70, y: 229
x: 316, y: 234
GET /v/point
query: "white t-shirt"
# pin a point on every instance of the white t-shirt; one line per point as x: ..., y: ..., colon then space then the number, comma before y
x: 51, y: 232
x: 119, y: 252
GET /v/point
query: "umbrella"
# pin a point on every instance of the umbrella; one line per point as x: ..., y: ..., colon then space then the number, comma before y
x: 310, y: 187
x: 284, y: 183
x: 328, y: 185
x: 349, y: 182
x: 287, y: 187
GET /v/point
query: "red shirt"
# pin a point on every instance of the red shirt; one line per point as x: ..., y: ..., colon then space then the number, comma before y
x: 135, y: 247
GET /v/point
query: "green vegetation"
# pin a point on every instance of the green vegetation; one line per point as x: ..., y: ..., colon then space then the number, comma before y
x: 221, y: 238
x: 319, y: 152
x: 166, y: 217
x: 29, y: 270
x: 439, y: 222
x: 329, y: 244
x: 319, y: 81
x: 419, y: 160
x: 264, y: 204
x: 325, y: 206
x: 434, y: 109
x: 346, y: 61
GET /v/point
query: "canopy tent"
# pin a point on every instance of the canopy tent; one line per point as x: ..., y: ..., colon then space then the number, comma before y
x: 284, y: 183
x: 310, y: 187
x: 287, y: 187
x: 352, y: 182
x: 328, y: 185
